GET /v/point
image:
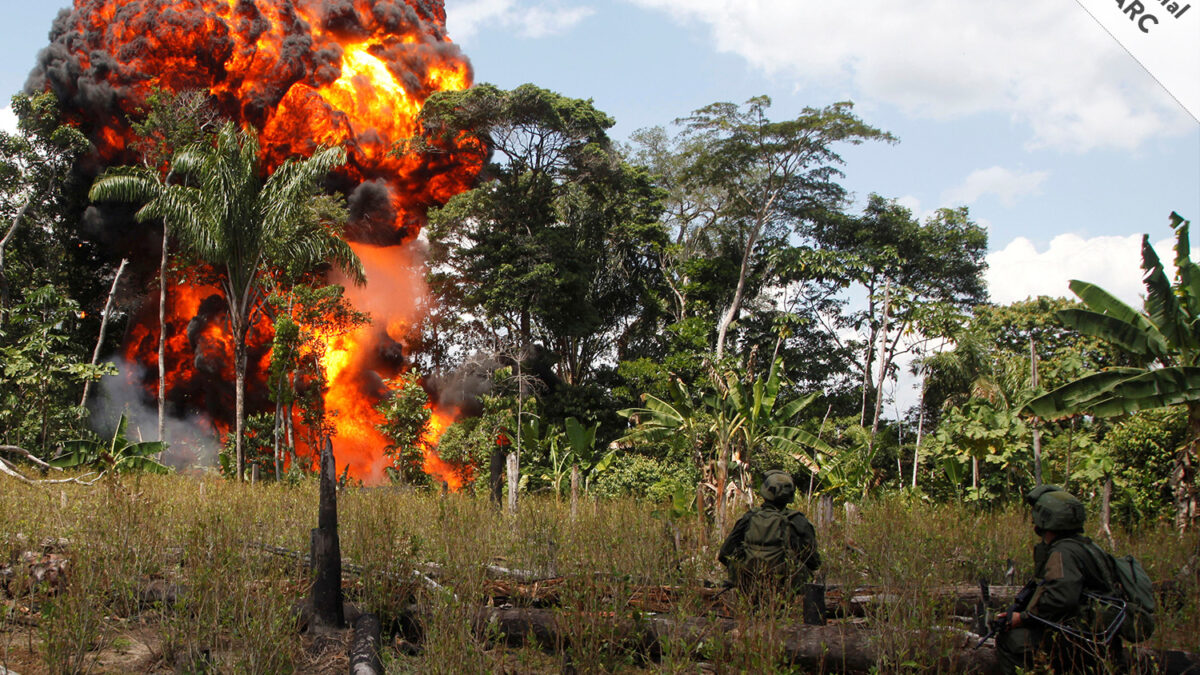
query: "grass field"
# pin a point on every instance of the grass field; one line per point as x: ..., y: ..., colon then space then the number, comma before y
x: 235, y: 606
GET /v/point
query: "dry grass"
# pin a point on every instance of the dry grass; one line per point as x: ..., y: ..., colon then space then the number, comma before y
x: 234, y: 613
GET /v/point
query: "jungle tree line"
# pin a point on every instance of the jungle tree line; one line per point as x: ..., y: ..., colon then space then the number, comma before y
x: 712, y: 278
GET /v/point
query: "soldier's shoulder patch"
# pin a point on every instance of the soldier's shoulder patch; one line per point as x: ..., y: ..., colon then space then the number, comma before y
x: 1054, y: 566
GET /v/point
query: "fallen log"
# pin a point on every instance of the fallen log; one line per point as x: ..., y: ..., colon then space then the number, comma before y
x: 839, y: 647
x: 364, y: 648
x: 836, y: 647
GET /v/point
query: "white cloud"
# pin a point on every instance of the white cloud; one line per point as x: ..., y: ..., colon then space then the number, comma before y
x: 1046, y: 64
x: 529, y: 20
x: 1005, y: 184
x: 8, y: 120
x: 1019, y: 270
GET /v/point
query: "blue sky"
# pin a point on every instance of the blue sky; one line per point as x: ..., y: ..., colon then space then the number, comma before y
x: 1030, y: 114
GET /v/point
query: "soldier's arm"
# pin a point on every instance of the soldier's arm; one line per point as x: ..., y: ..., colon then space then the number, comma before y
x: 733, y: 543
x: 806, y: 541
x: 1058, y: 596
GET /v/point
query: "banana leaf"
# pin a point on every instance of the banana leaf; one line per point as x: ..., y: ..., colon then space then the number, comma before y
x: 1072, y: 398
x: 1128, y: 336
x: 1162, y: 305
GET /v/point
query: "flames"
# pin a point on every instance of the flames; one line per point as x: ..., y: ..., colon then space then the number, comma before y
x: 306, y: 74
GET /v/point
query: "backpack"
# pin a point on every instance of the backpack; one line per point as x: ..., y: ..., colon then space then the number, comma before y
x: 767, y: 540
x: 1135, y: 587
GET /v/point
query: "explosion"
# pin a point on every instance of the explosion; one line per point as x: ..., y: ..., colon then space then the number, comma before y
x: 305, y: 74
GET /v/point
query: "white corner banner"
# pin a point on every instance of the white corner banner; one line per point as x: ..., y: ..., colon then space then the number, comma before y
x: 1163, y: 36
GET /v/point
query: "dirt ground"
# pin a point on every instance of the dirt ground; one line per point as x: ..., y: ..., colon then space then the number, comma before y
x: 137, y: 649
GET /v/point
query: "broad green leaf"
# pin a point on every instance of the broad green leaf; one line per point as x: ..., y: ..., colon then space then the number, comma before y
x: 605, y: 462
x: 1128, y: 336
x: 1072, y: 398
x: 76, y: 453
x: 1162, y: 305
x: 142, y: 464
x: 1099, y: 300
x: 793, y: 407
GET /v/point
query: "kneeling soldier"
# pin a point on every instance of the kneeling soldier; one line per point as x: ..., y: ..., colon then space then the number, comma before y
x: 1067, y: 615
x: 771, y: 545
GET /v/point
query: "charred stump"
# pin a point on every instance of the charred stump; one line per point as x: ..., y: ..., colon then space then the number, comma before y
x: 496, y: 475
x: 327, y: 551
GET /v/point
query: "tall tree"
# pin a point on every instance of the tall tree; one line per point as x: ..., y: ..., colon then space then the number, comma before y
x: 918, y: 279
x: 767, y: 177
x: 172, y: 121
x: 1164, y: 338
x: 169, y: 122
x: 555, y: 244
x: 35, y: 168
x: 233, y: 217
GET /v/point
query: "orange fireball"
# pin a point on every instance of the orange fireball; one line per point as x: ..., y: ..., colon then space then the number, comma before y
x: 306, y: 74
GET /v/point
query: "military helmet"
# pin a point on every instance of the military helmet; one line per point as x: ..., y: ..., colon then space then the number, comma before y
x: 1036, y: 493
x: 777, y: 487
x: 1058, y: 511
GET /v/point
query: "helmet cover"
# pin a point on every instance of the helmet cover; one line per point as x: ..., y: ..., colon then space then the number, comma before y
x: 1036, y: 493
x: 777, y: 487
x: 1058, y: 511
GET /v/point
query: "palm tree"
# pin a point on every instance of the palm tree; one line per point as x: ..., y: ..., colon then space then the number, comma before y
x: 1165, y: 340
x: 173, y: 120
x: 231, y: 215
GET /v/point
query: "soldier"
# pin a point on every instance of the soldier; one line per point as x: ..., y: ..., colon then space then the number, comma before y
x: 1066, y: 616
x: 771, y: 544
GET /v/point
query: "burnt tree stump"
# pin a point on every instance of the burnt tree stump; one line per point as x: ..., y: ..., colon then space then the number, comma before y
x: 327, y: 551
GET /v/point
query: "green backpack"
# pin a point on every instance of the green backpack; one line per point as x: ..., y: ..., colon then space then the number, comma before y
x: 767, y: 540
x: 1137, y: 590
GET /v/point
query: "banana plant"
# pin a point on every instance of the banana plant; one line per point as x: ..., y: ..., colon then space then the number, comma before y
x: 766, y: 424
x: 590, y: 460
x: 117, y: 455
x: 736, y: 417
x: 560, y: 465
x: 1164, y: 338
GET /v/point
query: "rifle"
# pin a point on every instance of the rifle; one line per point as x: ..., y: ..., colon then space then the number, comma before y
x: 997, y: 626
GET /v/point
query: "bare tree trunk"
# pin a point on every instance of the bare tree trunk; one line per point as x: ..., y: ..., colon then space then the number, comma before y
x: 703, y: 526
x: 104, y: 327
x: 162, y: 335
x: 883, y: 362
x: 735, y: 305
x: 288, y: 423
x: 1070, y: 443
x: 1106, y: 509
x: 276, y: 438
x: 1037, y: 433
x: 825, y: 511
x: 239, y: 365
x: 868, y: 356
x: 514, y: 468
x: 722, y: 482
x: 920, y: 433
x: 12, y: 230
x: 574, y: 491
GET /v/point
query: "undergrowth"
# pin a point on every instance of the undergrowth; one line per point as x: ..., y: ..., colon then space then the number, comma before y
x: 421, y: 567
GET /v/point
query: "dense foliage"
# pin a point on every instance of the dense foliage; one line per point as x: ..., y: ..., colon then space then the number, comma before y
x: 665, y: 319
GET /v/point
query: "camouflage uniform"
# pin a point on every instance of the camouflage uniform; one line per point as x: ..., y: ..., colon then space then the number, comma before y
x: 799, y: 560
x: 1066, y: 567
